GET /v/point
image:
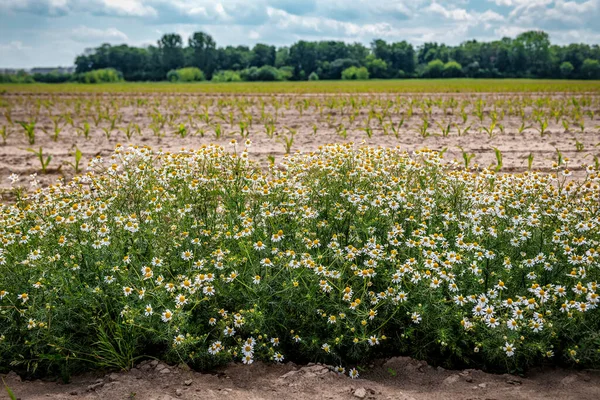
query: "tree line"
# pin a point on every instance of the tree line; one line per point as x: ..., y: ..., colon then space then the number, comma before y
x: 529, y: 55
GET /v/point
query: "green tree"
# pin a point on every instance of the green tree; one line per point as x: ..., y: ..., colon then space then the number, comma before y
x: 590, y: 69
x: 263, y: 54
x: 566, y: 69
x: 377, y: 67
x: 536, y: 45
x: 203, y: 52
x: 435, y: 69
x: 171, y: 49
x: 452, y: 69
x: 355, y: 73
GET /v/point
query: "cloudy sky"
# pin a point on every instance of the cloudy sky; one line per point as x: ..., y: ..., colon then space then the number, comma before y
x: 53, y: 32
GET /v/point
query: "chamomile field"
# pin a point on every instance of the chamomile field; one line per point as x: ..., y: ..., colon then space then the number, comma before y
x: 456, y: 222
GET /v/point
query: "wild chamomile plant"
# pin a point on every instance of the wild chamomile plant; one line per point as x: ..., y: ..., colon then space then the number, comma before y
x: 338, y: 255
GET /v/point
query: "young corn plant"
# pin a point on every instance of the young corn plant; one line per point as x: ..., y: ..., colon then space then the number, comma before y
x: 244, y: 131
x: 182, y: 131
x: 288, y: 142
x: 218, y: 131
x: 523, y: 128
x: 56, y: 130
x: 84, y: 130
x: 498, y: 154
x: 529, y: 161
x: 463, y: 131
x: 396, y: 128
x: 44, y: 162
x: 542, y: 126
x: 77, y: 160
x: 424, y: 129
x: 490, y: 131
x: 579, y: 146
x: 4, y: 133
x: 29, y: 128
x: 466, y: 157
x: 444, y: 128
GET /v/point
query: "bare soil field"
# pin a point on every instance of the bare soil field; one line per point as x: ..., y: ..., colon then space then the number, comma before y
x: 311, y: 120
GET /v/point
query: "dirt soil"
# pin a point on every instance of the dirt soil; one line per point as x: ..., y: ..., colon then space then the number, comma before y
x: 398, y: 378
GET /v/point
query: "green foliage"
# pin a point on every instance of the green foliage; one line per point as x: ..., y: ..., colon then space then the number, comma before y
x: 452, y: 69
x: 189, y: 74
x: 590, y: 69
x: 434, y: 69
x: 566, y: 69
x: 378, y: 69
x: 265, y: 73
x: 226, y: 76
x: 105, y: 75
x: 354, y: 73
x: 313, y: 76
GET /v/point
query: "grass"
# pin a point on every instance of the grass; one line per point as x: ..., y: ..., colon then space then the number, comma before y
x: 371, y: 86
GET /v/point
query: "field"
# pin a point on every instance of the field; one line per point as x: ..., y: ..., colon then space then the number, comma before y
x: 451, y: 221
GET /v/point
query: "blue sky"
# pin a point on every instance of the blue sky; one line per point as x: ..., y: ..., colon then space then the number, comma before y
x: 53, y: 32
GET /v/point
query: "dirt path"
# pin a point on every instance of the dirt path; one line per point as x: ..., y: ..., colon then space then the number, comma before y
x: 397, y: 378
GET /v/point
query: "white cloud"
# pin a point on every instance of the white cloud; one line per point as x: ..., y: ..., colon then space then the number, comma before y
x: 133, y: 8
x: 454, y: 14
x: 84, y: 33
x: 14, y: 45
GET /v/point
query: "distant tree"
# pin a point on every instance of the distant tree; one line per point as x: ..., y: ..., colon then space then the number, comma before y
x: 303, y: 58
x: 434, y: 69
x: 313, y: 77
x: 171, y: 49
x: 203, y: 52
x: 263, y: 54
x: 355, y: 73
x: 282, y: 57
x: 566, y: 69
x: 377, y: 67
x: 590, y: 69
x: 536, y: 48
x: 452, y: 69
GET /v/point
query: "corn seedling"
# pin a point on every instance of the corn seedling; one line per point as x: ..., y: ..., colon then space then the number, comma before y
x: 498, y: 154
x: 579, y: 146
x: 466, y: 157
x: 424, y: 129
x: 542, y: 126
x: 490, y: 131
x: 182, y: 131
x: 44, y: 162
x: 523, y: 128
x: 529, y: 161
x: 218, y: 131
x: 444, y: 128
x: 77, y: 160
x: 462, y: 132
x: 29, y: 128
x: 4, y: 133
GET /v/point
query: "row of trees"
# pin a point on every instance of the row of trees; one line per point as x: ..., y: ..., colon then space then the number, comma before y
x: 530, y: 54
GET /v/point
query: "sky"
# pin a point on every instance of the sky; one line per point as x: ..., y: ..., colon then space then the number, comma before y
x: 49, y: 33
